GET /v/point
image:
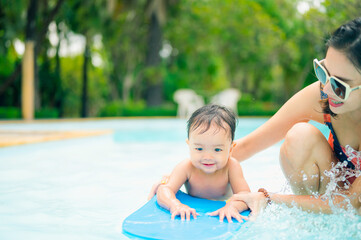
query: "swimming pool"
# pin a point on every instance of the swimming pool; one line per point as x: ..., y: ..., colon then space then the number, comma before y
x: 84, y: 188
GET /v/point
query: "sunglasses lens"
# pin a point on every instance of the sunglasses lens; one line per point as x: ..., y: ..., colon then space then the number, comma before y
x: 320, y: 73
x: 338, y: 88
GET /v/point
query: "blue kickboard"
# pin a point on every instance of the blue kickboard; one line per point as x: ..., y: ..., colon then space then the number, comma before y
x: 154, y: 222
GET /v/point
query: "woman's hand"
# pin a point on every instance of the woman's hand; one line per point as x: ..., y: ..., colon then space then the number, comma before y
x: 256, y: 201
x: 155, y: 186
x: 229, y: 211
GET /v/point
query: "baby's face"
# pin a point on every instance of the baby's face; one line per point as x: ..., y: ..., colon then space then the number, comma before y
x: 209, y: 151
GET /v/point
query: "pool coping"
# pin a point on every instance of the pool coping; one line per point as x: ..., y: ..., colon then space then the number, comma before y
x: 16, y: 137
x: 10, y: 138
x: 19, y: 137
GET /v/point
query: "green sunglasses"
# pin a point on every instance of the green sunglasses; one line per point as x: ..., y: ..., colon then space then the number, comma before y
x: 341, y: 89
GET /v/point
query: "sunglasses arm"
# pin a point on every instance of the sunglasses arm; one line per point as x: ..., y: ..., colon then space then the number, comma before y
x: 355, y: 88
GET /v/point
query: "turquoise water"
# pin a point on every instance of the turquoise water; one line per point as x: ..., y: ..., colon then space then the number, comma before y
x: 85, y: 188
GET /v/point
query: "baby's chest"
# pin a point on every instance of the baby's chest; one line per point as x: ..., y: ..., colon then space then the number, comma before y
x: 211, y: 188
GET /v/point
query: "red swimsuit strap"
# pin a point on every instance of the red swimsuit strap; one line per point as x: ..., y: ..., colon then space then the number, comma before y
x: 326, y: 117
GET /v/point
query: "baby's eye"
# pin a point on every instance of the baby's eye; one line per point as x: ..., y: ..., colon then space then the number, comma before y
x: 218, y: 150
x: 199, y: 149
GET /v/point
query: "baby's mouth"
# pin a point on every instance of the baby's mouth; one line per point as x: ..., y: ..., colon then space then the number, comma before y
x: 208, y: 164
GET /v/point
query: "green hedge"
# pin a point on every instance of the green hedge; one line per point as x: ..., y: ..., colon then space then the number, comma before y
x: 248, y: 106
x: 47, y: 113
x: 118, y: 108
x: 10, y: 113
x: 15, y: 113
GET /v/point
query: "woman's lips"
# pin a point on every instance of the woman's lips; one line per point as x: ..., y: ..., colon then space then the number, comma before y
x: 334, y: 103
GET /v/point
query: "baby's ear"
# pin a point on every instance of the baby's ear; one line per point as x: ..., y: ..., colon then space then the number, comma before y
x: 233, y: 144
x: 187, y: 141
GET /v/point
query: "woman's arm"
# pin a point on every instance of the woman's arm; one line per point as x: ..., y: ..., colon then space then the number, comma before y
x: 309, y: 202
x: 257, y: 201
x: 302, y: 107
x: 318, y: 205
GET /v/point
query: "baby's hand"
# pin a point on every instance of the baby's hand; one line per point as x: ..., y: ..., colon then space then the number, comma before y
x: 229, y: 211
x: 184, y: 211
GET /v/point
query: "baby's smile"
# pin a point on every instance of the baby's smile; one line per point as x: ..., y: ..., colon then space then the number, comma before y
x: 208, y: 164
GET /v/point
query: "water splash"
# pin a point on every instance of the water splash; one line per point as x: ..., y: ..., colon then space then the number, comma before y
x: 281, y: 222
x: 340, y: 176
x: 304, y: 177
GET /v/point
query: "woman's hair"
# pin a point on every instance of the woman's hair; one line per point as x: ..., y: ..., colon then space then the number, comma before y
x: 206, y: 115
x: 347, y: 39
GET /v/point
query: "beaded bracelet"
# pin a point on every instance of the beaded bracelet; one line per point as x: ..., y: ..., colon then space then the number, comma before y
x: 265, y: 193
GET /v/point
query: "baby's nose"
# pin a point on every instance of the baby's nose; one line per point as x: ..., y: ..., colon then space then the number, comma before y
x: 208, y: 155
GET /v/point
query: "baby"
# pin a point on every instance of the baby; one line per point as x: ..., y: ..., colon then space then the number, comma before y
x: 210, y: 172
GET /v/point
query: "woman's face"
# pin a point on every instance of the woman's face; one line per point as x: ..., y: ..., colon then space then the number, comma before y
x: 338, y: 65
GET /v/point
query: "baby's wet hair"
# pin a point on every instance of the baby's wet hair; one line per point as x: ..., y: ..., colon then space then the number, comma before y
x: 212, y: 113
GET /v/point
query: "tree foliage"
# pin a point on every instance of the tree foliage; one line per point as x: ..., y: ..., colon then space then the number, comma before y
x: 264, y: 48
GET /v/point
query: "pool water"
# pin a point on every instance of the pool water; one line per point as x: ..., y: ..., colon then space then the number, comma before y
x: 85, y: 188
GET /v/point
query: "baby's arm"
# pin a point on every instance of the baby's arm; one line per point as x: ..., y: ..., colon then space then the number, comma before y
x: 166, y: 193
x: 238, y: 184
x: 236, y: 177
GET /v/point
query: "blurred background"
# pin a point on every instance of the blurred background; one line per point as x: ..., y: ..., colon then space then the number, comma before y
x: 104, y: 58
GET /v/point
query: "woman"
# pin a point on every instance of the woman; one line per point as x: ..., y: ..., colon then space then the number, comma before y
x: 335, y: 100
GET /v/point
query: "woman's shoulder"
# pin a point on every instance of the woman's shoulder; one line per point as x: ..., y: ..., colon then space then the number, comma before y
x: 304, y: 105
x: 313, y: 91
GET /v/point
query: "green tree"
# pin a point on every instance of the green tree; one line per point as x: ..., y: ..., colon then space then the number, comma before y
x: 85, y: 18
